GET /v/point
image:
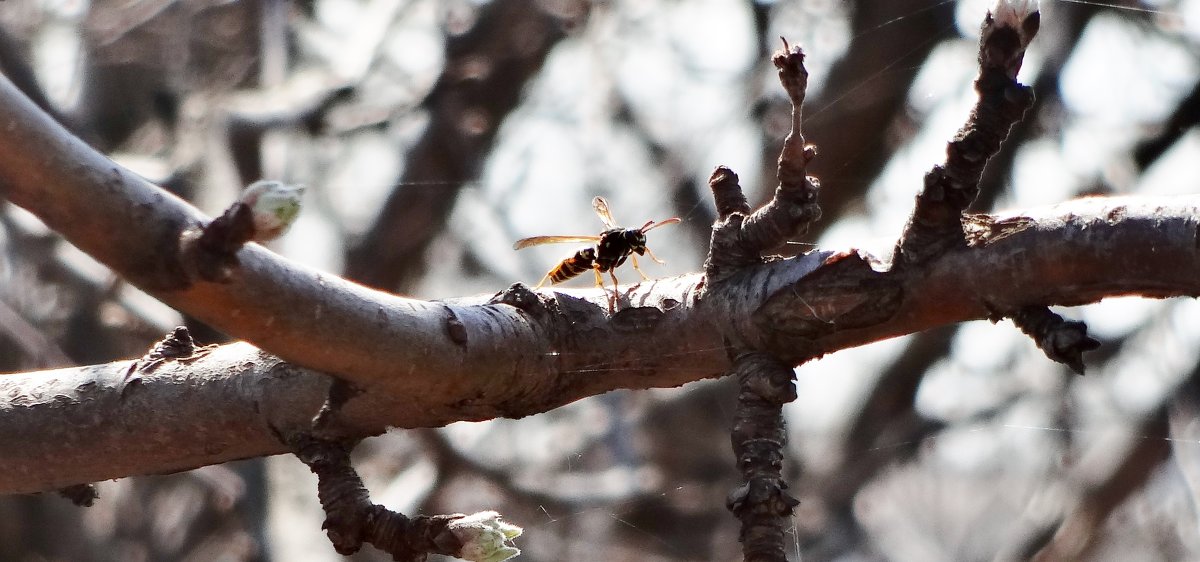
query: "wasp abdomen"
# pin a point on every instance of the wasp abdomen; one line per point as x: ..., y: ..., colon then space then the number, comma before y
x: 582, y: 261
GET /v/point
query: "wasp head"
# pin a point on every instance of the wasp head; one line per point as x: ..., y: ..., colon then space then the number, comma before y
x: 636, y: 240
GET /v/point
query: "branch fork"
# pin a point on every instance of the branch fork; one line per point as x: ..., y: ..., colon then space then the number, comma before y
x: 740, y: 239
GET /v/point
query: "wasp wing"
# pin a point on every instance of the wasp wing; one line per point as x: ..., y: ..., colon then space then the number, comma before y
x: 601, y: 208
x: 538, y: 240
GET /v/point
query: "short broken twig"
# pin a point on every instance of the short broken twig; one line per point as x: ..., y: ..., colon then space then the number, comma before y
x: 1062, y: 340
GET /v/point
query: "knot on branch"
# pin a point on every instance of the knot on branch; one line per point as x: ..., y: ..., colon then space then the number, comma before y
x: 178, y: 344
x: 1061, y: 340
x: 82, y: 495
x: 520, y: 296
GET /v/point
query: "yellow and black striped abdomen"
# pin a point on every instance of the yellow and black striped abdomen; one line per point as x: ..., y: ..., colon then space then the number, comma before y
x: 582, y: 261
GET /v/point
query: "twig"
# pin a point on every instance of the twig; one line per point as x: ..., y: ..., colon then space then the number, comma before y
x: 864, y: 99
x: 351, y: 519
x: 740, y: 238
x: 949, y: 189
x: 758, y: 438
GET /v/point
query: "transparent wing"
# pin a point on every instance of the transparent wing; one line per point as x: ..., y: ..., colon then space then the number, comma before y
x: 538, y: 240
x: 601, y: 207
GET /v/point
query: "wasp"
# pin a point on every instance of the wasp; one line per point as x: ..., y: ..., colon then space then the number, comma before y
x: 610, y: 250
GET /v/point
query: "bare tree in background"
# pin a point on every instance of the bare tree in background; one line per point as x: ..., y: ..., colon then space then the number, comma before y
x: 432, y: 135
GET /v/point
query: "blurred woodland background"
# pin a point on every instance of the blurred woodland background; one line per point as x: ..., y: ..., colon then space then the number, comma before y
x: 432, y: 134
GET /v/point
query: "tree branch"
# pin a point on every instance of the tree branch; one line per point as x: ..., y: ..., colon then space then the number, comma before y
x: 952, y: 186
x: 518, y: 361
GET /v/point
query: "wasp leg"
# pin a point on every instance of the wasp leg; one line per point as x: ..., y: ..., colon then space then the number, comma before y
x: 600, y: 283
x: 613, y: 305
x: 652, y: 256
x: 633, y: 258
x: 543, y: 281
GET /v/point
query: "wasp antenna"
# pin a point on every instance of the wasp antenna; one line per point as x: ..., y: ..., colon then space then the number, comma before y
x: 652, y: 225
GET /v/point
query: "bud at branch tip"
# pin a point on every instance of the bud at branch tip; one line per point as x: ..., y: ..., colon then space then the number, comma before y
x: 274, y: 206
x: 485, y: 537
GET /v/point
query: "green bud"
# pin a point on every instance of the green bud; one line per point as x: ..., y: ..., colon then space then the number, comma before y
x: 484, y: 537
x: 274, y: 206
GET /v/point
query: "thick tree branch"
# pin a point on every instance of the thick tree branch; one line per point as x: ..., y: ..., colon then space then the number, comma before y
x: 519, y: 361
